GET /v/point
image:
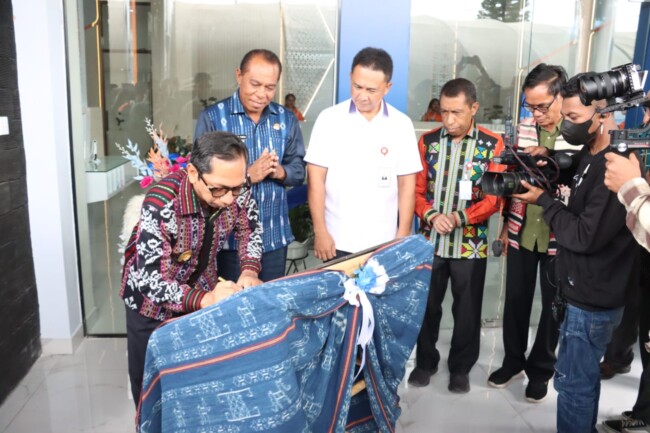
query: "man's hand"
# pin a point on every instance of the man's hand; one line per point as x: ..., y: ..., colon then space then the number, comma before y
x: 278, y: 172
x: 444, y: 224
x: 265, y: 165
x: 536, y: 150
x: 503, y: 237
x: 324, y: 247
x: 532, y: 195
x: 248, y: 279
x: 221, y: 291
x: 620, y: 169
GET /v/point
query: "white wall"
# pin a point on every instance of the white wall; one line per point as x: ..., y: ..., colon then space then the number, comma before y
x: 40, y: 48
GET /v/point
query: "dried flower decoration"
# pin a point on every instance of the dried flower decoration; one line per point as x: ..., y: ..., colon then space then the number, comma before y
x: 160, y: 161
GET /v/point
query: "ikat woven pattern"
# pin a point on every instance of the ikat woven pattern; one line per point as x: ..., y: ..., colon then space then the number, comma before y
x: 281, y: 357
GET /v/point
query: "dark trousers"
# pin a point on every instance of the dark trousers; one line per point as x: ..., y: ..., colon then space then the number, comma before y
x: 467, y: 281
x: 273, y: 264
x: 138, y: 331
x: 642, y: 406
x: 521, y: 280
x: 620, y: 351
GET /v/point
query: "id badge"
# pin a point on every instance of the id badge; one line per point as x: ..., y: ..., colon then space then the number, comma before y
x: 465, y: 192
x: 383, y: 177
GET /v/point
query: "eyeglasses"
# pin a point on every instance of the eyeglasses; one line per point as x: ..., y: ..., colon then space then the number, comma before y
x: 220, y: 191
x: 543, y: 109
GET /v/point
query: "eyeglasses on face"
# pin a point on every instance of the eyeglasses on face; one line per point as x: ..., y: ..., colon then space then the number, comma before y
x: 220, y: 191
x: 542, y: 108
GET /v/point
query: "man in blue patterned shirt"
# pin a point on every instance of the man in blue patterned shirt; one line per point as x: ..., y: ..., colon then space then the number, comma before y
x: 275, y: 155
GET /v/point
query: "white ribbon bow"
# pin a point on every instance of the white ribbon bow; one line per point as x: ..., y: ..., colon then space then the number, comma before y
x: 372, y: 278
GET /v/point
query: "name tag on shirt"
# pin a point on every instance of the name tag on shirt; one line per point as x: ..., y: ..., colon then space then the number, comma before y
x: 465, y: 192
x: 383, y: 177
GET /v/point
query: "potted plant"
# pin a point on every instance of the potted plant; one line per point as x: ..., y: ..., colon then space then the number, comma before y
x: 301, y: 223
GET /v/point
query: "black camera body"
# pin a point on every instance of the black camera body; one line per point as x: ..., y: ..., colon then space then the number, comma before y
x: 523, y: 166
x: 622, y: 88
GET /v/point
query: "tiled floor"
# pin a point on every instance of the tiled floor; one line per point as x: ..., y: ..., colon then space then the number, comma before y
x: 87, y: 392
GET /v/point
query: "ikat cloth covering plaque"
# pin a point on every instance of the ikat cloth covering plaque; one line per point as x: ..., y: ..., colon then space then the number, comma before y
x: 282, y: 357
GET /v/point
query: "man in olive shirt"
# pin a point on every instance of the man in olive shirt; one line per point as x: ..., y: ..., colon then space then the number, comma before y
x: 528, y: 242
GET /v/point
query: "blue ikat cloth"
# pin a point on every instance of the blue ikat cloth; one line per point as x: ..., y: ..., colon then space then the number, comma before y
x: 281, y: 357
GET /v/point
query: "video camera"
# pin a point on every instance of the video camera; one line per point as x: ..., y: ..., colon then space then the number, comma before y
x: 622, y: 88
x: 523, y: 166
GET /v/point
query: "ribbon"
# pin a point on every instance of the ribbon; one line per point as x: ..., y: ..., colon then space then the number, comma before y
x: 372, y: 278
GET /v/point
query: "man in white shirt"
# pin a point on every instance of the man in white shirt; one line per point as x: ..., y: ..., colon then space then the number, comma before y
x: 362, y: 160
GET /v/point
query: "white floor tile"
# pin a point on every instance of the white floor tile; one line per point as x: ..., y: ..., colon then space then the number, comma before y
x: 87, y: 392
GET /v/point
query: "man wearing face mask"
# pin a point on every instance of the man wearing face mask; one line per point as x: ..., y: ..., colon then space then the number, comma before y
x: 594, y: 267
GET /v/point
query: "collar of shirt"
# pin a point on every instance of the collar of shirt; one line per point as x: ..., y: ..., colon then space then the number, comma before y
x: 188, y: 200
x: 471, y: 133
x: 383, y: 109
x: 551, y: 134
x: 236, y: 107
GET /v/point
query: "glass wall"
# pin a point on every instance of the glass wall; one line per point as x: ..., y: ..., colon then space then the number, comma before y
x: 166, y: 60
x: 495, y: 43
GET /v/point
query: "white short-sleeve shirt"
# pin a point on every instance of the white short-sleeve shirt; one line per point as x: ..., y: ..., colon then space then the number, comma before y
x: 363, y: 159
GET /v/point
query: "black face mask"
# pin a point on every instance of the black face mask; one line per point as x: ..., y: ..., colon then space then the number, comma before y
x: 577, y: 133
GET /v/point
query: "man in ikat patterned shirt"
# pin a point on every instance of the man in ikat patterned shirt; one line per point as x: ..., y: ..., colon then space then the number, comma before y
x: 455, y: 214
x: 170, y: 266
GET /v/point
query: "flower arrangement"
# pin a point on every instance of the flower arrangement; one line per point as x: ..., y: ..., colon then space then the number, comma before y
x: 371, y: 278
x: 159, y: 162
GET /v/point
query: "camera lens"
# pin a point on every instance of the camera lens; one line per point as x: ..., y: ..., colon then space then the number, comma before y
x: 605, y: 85
x: 503, y: 184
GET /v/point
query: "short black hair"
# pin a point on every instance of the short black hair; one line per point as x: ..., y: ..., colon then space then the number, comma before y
x: 572, y: 87
x: 267, y: 55
x: 216, y: 144
x: 455, y: 87
x: 554, y: 76
x: 375, y: 59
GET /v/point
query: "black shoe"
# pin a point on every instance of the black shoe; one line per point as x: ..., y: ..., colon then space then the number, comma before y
x: 502, y: 378
x: 536, y: 391
x: 459, y: 383
x: 420, y: 377
x: 625, y: 425
x: 627, y: 414
x: 607, y: 370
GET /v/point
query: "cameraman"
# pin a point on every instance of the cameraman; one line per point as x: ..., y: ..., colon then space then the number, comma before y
x: 623, y: 176
x: 593, y: 266
x: 528, y: 242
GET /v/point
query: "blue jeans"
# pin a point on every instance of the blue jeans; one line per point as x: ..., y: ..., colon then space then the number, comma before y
x: 273, y: 264
x: 584, y: 336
